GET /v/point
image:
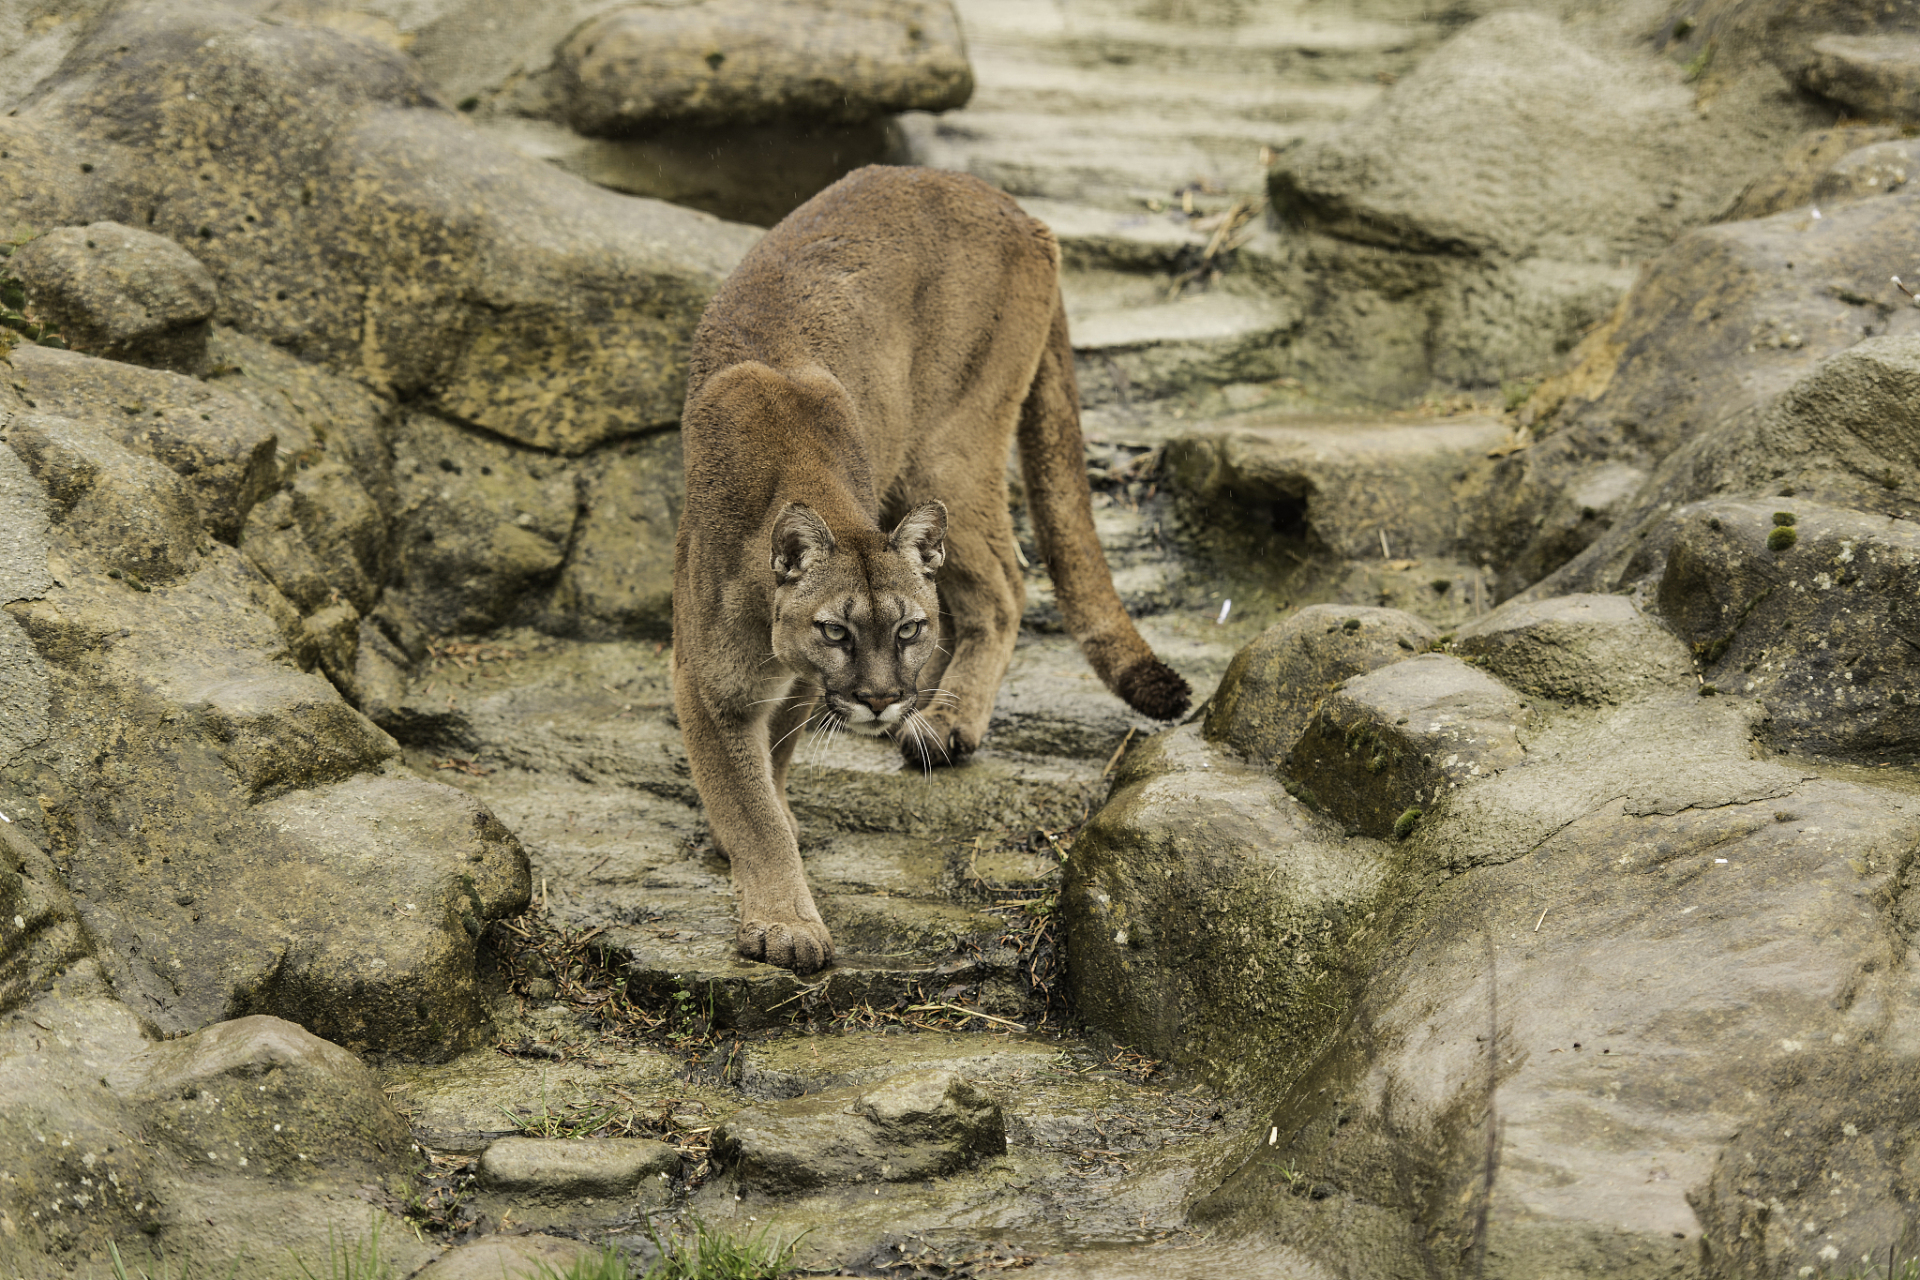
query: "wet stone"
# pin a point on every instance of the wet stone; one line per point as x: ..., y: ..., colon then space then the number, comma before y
x: 916, y: 1125
x: 1588, y: 649
x: 1277, y: 683
x: 1400, y: 738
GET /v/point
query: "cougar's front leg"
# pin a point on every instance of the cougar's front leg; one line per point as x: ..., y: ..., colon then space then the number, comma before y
x: 734, y: 771
x: 981, y: 595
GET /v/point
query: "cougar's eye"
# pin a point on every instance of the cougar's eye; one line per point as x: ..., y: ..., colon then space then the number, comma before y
x: 834, y: 632
x: 910, y: 631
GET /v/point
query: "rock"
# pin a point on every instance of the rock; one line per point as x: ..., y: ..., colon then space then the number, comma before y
x: 321, y: 539
x: 1588, y: 649
x: 25, y: 519
x: 1348, y: 487
x: 618, y: 578
x: 1277, y: 683
x: 1664, y: 940
x: 734, y: 61
x: 1397, y: 741
x: 551, y: 313
x: 483, y: 525
x: 120, y: 293
x: 1553, y: 111
x: 124, y: 511
x: 794, y: 1067
x: 1838, y: 1120
x: 1841, y: 436
x: 395, y: 969
x: 1215, y: 921
x: 1719, y: 325
x: 40, y: 934
x: 267, y: 1096
x: 1816, y: 627
x: 495, y: 1256
x: 351, y: 909
x: 1800, y: 175
x: 247, y: 1141
x: 1869, y: 171
x: 1872, y: 75
x: 585, y: 1178
x: 225, y: 453
x: 916, y: 1125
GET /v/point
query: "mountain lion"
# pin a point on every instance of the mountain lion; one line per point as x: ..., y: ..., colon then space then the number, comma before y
x: 854, y: 387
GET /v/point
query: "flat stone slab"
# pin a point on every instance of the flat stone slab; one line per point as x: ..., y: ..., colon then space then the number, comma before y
x: 1581, y: 648
x: 1877, y: 76
x: 561, y: 1169
x: 498, y: 1256
x: 911, y: 1126
x: 791, y: 1068
x: 745, y: 61
x: 1355, y: 481
x: 1402, y: 738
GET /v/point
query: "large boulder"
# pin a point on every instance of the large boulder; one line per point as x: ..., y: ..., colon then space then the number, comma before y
x: 1719, y: 327
x: 251, y: 1141
x: 1840, y: 435
x: 120, y: 292
x: 1814, y: 619
x: 1274, y: 686
x: 348, y: 217
x: 745, y: 61
x: 1438, y: 249
x: 1215, y: 921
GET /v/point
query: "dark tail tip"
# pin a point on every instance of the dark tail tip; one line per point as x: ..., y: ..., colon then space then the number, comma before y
x: 1154, y: 689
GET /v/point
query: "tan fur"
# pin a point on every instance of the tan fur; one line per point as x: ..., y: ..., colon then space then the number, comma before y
x: 864, y: 370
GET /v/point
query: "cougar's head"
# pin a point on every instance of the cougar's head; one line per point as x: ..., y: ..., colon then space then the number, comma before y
x: 860, y: 617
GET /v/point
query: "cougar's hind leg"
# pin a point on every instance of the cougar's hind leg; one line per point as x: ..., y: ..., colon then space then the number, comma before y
x: 981, y: 595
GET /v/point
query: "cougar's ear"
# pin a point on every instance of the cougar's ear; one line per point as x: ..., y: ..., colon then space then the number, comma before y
x: 801, y: 540
x: 922, y: 536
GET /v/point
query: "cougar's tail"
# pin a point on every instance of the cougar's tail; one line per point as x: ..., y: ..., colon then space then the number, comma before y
x: 1061, y: 505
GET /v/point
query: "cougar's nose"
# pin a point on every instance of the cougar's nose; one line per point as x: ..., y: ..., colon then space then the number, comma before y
x: 879, y: 701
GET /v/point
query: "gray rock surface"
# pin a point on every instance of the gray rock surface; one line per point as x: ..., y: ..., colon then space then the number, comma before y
x: 1360, y: 490
x: 562, y: 324
x: 1871, y: 75
x: 1387, y: 747
x: 585, y: 1178
x: 248, y: 1141
x: 1215, y: 920
x: 1803, y: 171
x: 738, y: 62
x: 1839, y: 435
x: 121, y: 293
x: 1818, y: 628
x: 1582, y: 648
x: 1277, y: 683
x: 1721, y: 325
x: 910, y: 1127
x: 489, y: 1258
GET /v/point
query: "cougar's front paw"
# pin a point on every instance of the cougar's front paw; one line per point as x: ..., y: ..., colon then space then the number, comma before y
x: 799, y: 945
x: 931, y: 743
